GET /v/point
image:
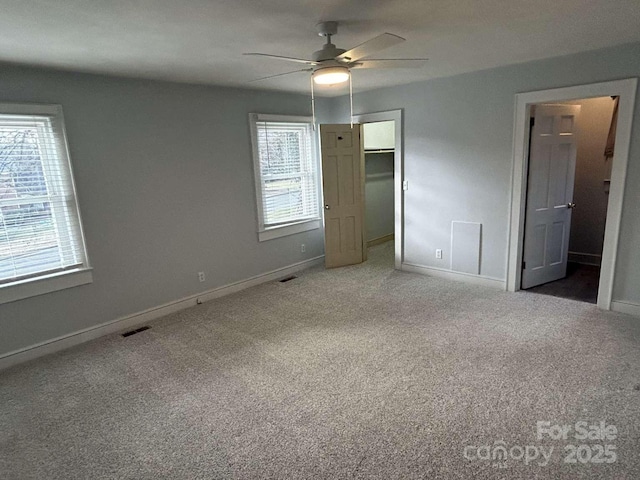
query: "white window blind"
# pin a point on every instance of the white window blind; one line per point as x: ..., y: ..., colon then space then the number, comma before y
x: 40, y: 231
x: 287, y: 172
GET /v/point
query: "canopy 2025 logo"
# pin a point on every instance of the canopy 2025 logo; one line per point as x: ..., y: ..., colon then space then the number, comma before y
x: 581, y: 452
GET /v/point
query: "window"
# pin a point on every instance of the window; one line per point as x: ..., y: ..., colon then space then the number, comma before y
x: 287, y: 178
x: 41, y: 242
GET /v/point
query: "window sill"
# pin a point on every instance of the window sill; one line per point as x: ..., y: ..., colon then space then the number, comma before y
x: 291, y: 229
x: 45, y: 284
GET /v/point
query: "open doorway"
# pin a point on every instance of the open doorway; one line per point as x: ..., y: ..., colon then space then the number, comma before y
x: 571, y: 147
x: 384, y: 182
x: 344, y: 183
x: 626, y: 91
x: 379, y: 151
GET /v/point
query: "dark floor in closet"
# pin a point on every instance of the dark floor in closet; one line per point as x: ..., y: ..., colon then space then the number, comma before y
x: 581, y: 283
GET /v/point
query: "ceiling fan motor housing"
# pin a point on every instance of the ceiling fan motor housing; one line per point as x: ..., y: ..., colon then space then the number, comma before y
x: 328, y: 52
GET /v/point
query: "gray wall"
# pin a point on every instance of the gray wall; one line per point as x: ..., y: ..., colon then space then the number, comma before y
x: 378, y: 195
x: 165, y: 182
x: 588, y: 218
x: 458, y: 135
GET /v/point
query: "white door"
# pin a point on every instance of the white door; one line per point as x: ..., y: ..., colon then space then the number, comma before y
x: 343, y: 189
x: 552, y: 165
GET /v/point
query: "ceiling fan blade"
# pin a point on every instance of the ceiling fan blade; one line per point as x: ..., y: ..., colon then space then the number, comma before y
x: 391, y: 63
x: 288, y: 59
x: 369, y: 47
x: 281, y: 74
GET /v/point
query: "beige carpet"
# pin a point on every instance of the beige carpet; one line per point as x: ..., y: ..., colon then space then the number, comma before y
x: 360, y: 372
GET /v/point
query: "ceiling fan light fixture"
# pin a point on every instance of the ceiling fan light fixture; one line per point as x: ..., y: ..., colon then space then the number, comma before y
x: 331, y: 75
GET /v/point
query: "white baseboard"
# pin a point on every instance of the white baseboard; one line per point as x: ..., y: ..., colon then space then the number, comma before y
x: 626, y: 307
x: 585, y: 258
x: 124, y: 323
x: 380, y: 240
x: 456, y: 276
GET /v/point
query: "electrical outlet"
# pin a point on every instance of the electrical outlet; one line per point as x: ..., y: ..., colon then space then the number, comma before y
x: 201, y: 276
x: 439, y: 253
x: 303, y: 248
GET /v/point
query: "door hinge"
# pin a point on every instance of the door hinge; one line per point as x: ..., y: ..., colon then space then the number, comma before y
x: 405, y: 185
x: 524, y: 265
x: 532, y: 121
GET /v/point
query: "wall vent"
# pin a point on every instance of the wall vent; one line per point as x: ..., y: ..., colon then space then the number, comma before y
x: 133, y: 332
x: 286, y: 279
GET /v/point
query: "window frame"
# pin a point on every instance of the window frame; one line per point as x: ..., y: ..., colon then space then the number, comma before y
x: 296, y: 226
x: 49, y: 281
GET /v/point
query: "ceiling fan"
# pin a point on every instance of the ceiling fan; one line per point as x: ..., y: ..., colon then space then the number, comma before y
x: 332, y: 65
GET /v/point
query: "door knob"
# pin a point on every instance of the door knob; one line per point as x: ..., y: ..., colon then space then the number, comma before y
x: 327, y: 207
x: 571, y: 205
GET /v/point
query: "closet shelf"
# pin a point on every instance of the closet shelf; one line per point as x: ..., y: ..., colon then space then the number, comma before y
x: 380, y: 150
x: 379, y: 175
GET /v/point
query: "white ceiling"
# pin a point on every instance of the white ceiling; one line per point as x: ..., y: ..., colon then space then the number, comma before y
x: 202, y: 41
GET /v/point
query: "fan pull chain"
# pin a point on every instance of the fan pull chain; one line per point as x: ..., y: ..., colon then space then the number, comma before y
x: 313, y: 104
x: 351, y: 98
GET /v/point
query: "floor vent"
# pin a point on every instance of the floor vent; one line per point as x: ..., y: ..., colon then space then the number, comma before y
x: 133, y: 332
x: 286, y: 279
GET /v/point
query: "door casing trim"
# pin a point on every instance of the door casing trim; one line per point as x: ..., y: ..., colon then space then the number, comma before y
x: 626, y: 89
x: 398, y: 176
